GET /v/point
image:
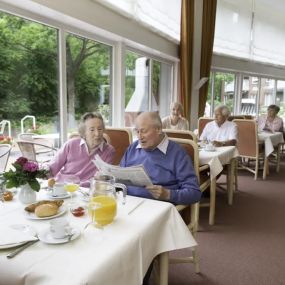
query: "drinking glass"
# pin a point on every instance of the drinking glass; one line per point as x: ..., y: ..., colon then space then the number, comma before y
x: 71, y: 184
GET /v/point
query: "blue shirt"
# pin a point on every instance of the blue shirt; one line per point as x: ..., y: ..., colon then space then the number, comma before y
x: 172, y: 170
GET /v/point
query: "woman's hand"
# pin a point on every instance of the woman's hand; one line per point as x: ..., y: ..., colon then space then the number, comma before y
x: 159, y: 192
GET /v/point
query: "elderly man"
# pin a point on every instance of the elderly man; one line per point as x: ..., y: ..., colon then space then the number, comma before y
x: 167, y: 164
x: 220, y: 132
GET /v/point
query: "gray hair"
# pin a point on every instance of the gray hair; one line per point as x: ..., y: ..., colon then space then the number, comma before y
x: 154, y: 117
x: 224, y: 110
x: 178, y: 104
x: 85, y: 117
x: 274, y: 107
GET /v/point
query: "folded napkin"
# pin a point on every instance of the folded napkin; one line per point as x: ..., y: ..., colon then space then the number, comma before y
x: 10, y: 236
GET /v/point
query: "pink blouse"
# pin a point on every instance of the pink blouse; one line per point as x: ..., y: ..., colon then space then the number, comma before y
x: 73, y: 158
x: 275, y: 126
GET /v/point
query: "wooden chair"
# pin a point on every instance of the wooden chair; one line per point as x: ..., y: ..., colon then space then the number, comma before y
x: 5, y: 150
x: 181, y: 134
x: 28, y: 150
x: 236, y: 117
x: 192, y: 150
x: 249, y: 147
x: 120, y: 139
x: 202, y: 121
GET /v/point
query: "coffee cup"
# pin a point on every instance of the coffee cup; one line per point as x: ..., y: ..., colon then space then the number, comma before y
x: 58, y: 189
x: 210, y: 147
x: 59, y: 228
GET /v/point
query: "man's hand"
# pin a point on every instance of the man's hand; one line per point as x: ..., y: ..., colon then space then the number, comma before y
x: 158, y: 192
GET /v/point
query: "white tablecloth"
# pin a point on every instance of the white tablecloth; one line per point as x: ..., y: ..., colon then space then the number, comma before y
x: 130, y: 243
x: 270, y: 140
x: 216, y: 159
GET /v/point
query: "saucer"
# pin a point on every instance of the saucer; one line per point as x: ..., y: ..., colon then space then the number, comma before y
x: 46, y: 236
x: 64, y: 196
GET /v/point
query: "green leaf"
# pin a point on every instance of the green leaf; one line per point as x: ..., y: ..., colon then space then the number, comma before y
x: 35, y: 185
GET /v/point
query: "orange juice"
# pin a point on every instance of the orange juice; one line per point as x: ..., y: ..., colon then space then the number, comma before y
x: 71, y: 187
x: 106, y: 211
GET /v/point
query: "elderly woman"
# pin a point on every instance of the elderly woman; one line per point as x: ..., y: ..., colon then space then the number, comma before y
x: 220, y: 132
x: 175, y: 120
x: 271, y: 122
x: 76, y: 155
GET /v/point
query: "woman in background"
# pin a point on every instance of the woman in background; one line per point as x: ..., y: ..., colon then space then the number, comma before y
x: 271, y: 122
x: 175, y: 120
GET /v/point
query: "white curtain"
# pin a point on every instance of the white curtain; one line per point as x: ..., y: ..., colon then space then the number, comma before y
x: 161, y: 16
x: 251, y: 29
x: 269, y: 33
x: 232, y: 33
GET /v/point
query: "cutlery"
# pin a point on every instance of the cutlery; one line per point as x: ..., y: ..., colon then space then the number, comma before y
x: 139, y: 204
x: 18, y: 250
x: 83, y: 193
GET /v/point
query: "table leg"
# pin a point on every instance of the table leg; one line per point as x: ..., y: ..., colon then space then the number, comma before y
x: 230, y: 180
x: 212, y: 201
x: 163, y: 268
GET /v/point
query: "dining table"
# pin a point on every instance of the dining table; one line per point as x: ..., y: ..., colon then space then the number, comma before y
x: 217, y: 158
x: 270, y: 140
x: 121, y: 253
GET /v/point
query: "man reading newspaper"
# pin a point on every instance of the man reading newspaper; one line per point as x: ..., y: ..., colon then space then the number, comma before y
x: 166, y: 163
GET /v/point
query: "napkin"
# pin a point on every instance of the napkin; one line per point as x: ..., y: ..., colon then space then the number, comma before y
x: 12, y: 236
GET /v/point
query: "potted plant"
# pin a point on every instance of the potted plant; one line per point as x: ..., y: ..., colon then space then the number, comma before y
x: 24, y: 174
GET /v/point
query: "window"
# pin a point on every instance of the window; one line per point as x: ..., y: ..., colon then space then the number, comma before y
x: 148, y: 86
x: 28, y: 75
x: 88, y: 78
x: 221, y: 91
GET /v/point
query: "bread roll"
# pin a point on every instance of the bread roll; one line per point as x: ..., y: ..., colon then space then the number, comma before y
x: 46, y: 210
x: 51, y: 182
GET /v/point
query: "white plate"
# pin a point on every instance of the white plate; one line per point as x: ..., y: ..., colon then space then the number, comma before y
x: 22, y: 229
x: 209, y: 149
x: 45, y: 236
x: 64, y: 196
x: 33, y: 216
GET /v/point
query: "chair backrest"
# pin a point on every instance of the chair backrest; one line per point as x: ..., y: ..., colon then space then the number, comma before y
x: 28, y: 150
x: 247, y: 142
x: 180, y: 134
x: 26, y: 137
x: 191, y: 148
x: 120, y: 139
x: 202, y: 122
x: 5, y: 150
x: 236, y: 117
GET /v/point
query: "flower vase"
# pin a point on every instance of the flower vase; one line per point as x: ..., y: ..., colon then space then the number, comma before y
x: 27, y: 195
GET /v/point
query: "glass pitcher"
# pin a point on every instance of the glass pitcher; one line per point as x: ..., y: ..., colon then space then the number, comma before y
x: 105, y: 180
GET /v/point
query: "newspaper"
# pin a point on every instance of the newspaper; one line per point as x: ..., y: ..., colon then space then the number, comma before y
x: 133, y: 175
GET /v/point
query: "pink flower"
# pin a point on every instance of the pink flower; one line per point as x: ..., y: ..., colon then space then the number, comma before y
x: 30, y: 166
x: 21, y: 160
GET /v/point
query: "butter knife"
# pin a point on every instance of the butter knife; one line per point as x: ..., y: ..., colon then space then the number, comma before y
x: 18, y: 250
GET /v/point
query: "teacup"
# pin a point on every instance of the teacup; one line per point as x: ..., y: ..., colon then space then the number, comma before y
x: 60, y: 228
x: 58, y: 189
x: 209, y: 147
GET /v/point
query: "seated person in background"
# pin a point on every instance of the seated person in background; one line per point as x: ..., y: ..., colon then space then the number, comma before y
x: 76, y: 155
x: 166, y: 162
x: 175, y: 120
x: 271, y: 122
x: 220, y: 132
